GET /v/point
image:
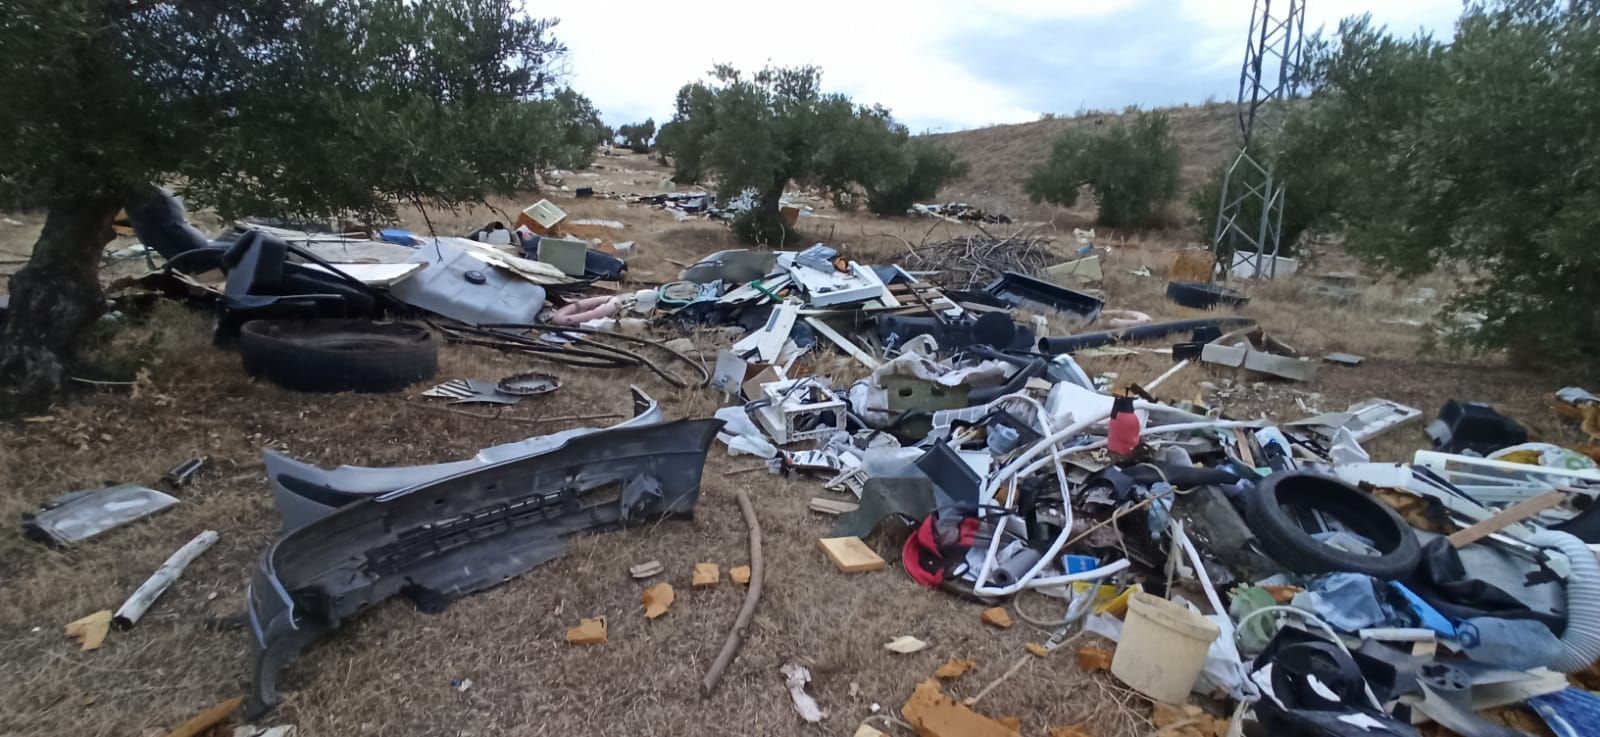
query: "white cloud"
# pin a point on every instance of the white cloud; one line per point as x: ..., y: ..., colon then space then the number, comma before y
x: 919, y: 59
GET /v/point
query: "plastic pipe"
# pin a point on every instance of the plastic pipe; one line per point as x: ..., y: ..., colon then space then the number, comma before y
x: 1009, y: 472
x: 1581, y: 640
x: 1151, y: 331
x: 1016, y: 468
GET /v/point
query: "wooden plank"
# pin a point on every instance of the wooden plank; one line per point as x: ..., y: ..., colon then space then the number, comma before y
x: 864, y: 358
x: 1245, y: 454
x: 1508, y: 517
x: 850, y: 555
x: 207, y: 719
x: 822, y: 505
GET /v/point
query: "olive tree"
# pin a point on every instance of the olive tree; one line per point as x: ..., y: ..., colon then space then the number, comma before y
x: 297, y: 107
x: 760, y: 132
x: 1132, y: 169
x: 1480, y: 154
x: 636, y: 137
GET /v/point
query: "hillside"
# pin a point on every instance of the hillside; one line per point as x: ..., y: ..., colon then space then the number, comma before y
x: 1000, y: 155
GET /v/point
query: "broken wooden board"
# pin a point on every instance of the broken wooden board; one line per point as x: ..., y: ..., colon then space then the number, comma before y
x: 91, y: 630
x: 656, y: 600
x: 588, y: 632
x: 997, y: 617
x: 204, y: 721
x: 953, y: 668
x: 1508, y: 517
x: 850, y: 555
x: 861, y: 356
x: 706, y: 574
x: 1093, y: 659
x: 822, y: 505
x: 933, y: 714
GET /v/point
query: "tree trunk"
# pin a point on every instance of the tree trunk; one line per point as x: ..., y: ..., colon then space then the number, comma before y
x: 53, y: 300
x: 771, y: 217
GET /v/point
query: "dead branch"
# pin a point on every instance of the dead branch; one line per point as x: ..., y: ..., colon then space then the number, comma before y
x: 752, y: 596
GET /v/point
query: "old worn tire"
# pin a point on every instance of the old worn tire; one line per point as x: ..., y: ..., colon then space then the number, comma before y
x: 338, y: 355
x: 1281, y: 538
x: 1202, y: 296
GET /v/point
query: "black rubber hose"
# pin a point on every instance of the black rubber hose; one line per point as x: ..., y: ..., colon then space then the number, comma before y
x: 1070, y: 343
x: 604, y: 356
x: 566, y: 356
x: 705, y: 374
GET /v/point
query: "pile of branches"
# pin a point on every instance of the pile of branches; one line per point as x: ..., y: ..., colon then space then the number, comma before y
x: 972, y: 262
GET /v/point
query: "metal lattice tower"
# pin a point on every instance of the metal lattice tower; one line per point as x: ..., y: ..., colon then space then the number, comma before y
x: 1250, y: 213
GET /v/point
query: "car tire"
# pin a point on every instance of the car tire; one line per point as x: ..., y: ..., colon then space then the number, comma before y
x: 1202, y: 296
x: 338, y: 355
x: 1267, y: 511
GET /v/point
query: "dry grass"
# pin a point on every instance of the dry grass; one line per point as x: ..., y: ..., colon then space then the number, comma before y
x: 389, y: 671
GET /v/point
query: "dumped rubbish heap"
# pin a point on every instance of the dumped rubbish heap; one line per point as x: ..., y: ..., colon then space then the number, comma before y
x: 959, y: 212
x: 1272, y: 571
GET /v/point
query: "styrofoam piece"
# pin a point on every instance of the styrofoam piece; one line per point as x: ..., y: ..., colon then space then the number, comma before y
x: 1244, y: 265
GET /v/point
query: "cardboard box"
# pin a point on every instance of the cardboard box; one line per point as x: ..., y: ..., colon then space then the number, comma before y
x: 540, y: 217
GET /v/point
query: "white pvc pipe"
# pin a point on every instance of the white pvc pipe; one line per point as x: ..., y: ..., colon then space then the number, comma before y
x: 980, y: 585
x: 1159, y: 380
x: 1011, y: 471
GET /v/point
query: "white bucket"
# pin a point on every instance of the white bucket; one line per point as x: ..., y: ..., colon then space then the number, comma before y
x: 1162, y: 649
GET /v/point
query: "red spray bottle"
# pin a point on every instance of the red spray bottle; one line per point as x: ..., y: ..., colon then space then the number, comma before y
x: 1124, y: 427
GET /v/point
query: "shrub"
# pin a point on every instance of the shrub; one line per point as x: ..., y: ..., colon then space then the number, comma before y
x: 637, y: 136
x: 1131, y: 168
x: 1482, y: 153
x: 923, y: 170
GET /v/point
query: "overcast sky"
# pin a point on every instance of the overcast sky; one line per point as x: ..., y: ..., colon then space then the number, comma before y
x: 940, y: 64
